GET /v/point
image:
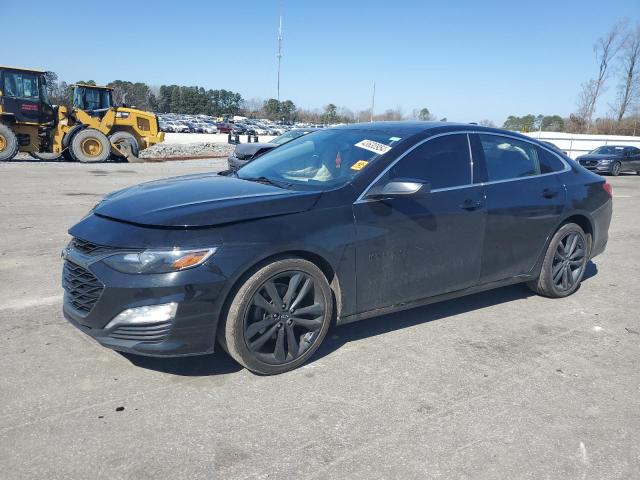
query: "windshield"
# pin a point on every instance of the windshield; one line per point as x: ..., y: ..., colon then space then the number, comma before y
x: 609, y: 150
x: 320, y: 160
x: 287, y: 137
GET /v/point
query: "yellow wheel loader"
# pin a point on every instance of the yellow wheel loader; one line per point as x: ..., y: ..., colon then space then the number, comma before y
x: 91, y: 131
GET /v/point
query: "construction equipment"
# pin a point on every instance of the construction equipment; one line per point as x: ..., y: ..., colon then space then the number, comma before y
x: 89, y: 132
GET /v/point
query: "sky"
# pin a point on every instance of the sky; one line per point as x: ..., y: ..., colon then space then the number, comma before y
x: 464, y: 60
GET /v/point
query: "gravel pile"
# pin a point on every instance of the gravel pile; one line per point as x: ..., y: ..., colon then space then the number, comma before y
x: 163, y: 150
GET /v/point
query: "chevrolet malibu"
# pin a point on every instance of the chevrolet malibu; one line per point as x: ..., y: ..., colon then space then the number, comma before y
x: 339, y: 225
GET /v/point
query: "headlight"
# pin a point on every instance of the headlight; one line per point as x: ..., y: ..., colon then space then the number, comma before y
x: 158, y: 261
x: 604, y: 162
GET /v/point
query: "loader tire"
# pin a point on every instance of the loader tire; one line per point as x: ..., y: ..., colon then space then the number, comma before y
x: 120, y: 137
x: 90, y: 145
x: 46, y: 157
x: 8, y: 144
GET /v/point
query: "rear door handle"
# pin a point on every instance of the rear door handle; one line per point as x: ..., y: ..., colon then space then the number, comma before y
x: 548, y: 193
x: 470, y: 205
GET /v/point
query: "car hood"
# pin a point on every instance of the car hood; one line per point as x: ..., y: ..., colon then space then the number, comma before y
x: 200, y: 201
x: 248, y: 150
x: 598, y: 156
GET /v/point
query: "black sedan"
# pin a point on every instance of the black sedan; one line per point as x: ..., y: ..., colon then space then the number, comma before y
x: 612, y: 159
x: 246, y: 152
x: 341, y: 224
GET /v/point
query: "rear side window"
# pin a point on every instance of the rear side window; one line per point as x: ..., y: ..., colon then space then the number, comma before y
x: 507, y: 158
x: 443, y: 162
x: 549, y: 162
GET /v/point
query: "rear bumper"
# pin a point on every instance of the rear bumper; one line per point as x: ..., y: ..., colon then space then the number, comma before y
x: 601, y: 221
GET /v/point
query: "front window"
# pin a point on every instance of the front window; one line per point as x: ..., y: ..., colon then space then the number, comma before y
x: 321, y: 160
x: 608, y: 150
x: 21, y: 85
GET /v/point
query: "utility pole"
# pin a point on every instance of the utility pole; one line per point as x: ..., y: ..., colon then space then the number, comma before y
x: 373, y: 100
x: 279, y: 53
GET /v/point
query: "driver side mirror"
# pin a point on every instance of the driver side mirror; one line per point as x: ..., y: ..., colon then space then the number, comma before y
x: 399, y: 189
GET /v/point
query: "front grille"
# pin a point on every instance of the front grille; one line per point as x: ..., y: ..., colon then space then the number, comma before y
x: 589, y: 163
x: 82, y: 287
x: 143, y: 333
x: 89, y: 248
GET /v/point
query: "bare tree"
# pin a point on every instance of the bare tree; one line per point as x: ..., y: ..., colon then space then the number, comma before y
x: 629, y: 88
x: 606, y: 48
x: 485, y: 122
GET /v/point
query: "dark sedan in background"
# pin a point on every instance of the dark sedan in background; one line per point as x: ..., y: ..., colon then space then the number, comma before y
x: 344, y: 223
x: 246, y: 152
x: 612, y: 159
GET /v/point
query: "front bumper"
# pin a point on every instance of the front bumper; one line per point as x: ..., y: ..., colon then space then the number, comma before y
x: 598, y: 168
x: 192, y: 331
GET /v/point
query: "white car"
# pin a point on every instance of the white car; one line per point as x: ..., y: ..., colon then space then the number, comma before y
x: 208, y: 128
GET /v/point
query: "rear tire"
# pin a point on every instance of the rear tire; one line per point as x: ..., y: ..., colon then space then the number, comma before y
x: 8, y: 144
x: 90, y: 145
x: 120, y: 137
x: 45, y: 156
x: 278, y: 332
x: 564, y: 263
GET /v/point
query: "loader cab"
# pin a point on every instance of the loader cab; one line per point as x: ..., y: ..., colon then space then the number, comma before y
x: 23, y: 96
x: 92, y: 99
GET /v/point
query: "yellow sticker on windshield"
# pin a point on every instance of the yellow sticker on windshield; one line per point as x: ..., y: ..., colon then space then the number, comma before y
x: 359, y: 165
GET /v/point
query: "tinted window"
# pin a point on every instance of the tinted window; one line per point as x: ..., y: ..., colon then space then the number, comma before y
x: 22, y: 85
x: 443, y: 162
x: 549, y: 162
x: 508, y: 158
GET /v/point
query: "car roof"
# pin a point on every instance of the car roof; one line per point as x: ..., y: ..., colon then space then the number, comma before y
x: 406, y: 128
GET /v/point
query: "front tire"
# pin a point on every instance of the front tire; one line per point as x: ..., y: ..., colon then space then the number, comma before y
x: 279, y: 316
x: 122, y: 137
x: 564, y: 263
x: 615, y: 169
x: 90, y: 145
x: 8, y: 144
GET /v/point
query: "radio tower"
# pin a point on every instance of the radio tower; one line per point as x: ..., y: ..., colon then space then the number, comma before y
x: 279, y: 53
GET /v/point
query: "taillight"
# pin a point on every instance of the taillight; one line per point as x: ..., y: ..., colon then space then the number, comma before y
x: 607, y: 188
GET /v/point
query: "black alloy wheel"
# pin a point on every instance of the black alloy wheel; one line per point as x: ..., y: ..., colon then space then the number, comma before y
x: 568, y: 261
x: 564, y: 263
x: 285, y: 317
x: 278, y: 317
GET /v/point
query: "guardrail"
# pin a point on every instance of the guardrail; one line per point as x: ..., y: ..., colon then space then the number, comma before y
x: 579, y: 144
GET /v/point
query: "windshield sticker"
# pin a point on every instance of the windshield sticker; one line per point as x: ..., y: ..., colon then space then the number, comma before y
x: 359, y: 165
x: 375, y: 147
x: 394, y: 139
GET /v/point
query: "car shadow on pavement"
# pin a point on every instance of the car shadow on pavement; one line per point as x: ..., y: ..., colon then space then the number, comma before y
x: 220, y: 363
x: 339, y: 336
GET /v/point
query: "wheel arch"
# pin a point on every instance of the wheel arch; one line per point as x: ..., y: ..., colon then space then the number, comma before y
x: 66, y: 140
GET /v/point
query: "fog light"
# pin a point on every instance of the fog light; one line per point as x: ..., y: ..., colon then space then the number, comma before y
x: 145, y: 315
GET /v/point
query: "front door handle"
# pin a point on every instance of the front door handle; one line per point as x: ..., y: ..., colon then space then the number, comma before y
x: 548, y: 193
x: 470, y: 205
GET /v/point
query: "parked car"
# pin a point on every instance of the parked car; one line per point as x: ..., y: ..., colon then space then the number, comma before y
x: 246, y: 152
x: 209, y: 128
x: 224, y: 127
x: 342, y: 224
x: 612, y: 159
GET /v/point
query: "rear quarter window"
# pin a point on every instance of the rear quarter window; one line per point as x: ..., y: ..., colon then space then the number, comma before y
x: 549, y: 162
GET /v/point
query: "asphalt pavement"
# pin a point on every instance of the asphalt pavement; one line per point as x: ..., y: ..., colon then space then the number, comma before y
x: 498, y: 385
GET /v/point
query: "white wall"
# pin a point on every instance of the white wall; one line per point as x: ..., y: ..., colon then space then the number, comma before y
x: 576, y: 144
